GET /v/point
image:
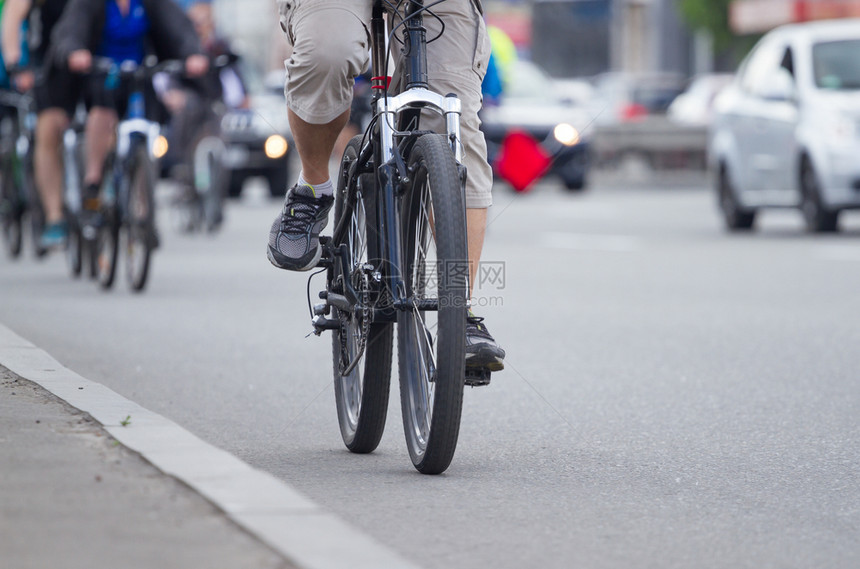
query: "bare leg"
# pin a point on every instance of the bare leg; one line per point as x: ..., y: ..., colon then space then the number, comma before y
x: 476, y: 227
x: 101, y: 132
x: 315, y: 143
x: 48, y: 161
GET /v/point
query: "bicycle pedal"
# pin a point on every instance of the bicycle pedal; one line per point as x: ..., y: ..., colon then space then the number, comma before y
x: 321, y: 324
x: 477, y: 377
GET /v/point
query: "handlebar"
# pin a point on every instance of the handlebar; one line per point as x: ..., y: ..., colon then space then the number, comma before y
x: 131, y: 69
x: 21, y: 101
x: 149, y: 67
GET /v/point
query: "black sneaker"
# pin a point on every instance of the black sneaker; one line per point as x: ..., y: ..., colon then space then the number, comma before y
x: 294, y: 241
x: 482, y: 351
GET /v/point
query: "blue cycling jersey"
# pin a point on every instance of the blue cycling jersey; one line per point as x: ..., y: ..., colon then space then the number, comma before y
x: 123, y: 35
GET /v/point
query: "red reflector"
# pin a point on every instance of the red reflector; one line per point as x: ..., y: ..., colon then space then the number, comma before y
x: 521, y: 160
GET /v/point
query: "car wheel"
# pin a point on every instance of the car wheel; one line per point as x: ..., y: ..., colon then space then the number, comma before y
x: 574, y: 184
x: 277, y: 182
x: 818, y: 218
x: 735, y: 216
x: 235, y: 185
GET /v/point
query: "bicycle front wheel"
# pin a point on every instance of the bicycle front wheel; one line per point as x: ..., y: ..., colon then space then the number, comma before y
x: 431, y: 334
x: 140, y: 219
x: 107, y: 236
x: 361, y: 348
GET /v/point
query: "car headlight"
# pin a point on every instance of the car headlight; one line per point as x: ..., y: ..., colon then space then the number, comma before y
x: 566, y: 134
x: 160, y: 146
x: 276, y: 146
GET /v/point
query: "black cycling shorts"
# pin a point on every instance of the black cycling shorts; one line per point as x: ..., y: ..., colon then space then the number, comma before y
x: 59, y: 89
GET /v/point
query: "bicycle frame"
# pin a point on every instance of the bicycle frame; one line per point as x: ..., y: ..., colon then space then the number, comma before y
x: 394, y: 121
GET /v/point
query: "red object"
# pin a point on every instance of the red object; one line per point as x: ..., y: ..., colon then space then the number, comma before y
x: 633, y: 112
x: 758, y: 16
x: 377, y: 80
x: 521, y: 160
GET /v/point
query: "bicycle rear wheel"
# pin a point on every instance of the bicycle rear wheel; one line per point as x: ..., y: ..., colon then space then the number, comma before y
x: 361, y: 349
x: 107, y: 235
x: 107, y: 249
x: 431, y: 343
x: 209, y: 180
x: 11, y: 209
x: 140, y: 216
x: 75, y: 249
x: 35, y: 214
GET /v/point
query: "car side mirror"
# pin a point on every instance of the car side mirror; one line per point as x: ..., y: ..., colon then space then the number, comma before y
x: 780, y: 86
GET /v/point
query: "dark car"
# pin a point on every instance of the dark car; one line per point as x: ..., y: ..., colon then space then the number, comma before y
x: 537, y: 126
x: 258, y: 141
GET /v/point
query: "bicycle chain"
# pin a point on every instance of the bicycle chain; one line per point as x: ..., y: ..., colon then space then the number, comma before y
x: 366, y: 314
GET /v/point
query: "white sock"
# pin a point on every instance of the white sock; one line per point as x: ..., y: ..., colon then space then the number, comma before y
x: 325, y: 189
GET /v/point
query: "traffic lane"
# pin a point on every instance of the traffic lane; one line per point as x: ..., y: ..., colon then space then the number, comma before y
x: 663, y: 398
x: 235, y: 365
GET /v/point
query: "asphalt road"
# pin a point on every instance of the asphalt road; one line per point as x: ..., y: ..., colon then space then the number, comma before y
x: 675, y: 396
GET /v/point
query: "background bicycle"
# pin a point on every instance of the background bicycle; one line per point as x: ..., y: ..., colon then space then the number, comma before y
x: 127, y: 211
x: 196, y: 143
x: 20, y: 207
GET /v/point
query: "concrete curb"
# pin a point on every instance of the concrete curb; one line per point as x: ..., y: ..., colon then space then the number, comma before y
x: 263, y: 505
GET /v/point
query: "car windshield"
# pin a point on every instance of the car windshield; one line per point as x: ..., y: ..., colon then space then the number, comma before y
x: 835, y: 64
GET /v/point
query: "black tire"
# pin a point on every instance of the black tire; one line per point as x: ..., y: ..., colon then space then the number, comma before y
x: 208, y: 179
x: 36, y: 223
x: 431, y: 344
x: 361, y: 395
x: 213, y: 201
x: 235, y: 183
x: 818, y: 218
x: 91, y: 257
x: 35, y: 211
x: 107, y: 247
x: 140, y: 219
x: 277, y: 179
x: 574, y: 183
x: 10, y: 213
x: 735, y: 216
x: 75, y: 249
x: 106, y: 243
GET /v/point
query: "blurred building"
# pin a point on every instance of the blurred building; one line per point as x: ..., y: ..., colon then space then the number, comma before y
x: 252, y: 26
x: 758, y: 16
x: 572, y: 38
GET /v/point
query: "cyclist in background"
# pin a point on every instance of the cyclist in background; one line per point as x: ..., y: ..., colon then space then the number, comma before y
x: 56, y: 96
x: 190, y: 102
x: 120, y: 30
x: 19, y: 63
x: 330, y: 48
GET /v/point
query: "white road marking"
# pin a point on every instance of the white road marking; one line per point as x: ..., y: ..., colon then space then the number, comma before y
x: 262, y: 504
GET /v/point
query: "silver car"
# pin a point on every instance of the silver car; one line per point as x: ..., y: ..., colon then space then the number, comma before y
x: 786, y: 132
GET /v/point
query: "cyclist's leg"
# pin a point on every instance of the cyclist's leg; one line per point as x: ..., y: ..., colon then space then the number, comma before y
x: 105, y: 106
x: 330, y: 48
x: 54, y: 99
x: 100, y: 135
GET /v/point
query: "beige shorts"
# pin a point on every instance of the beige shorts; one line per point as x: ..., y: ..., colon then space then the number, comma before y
x: 330, y: 42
